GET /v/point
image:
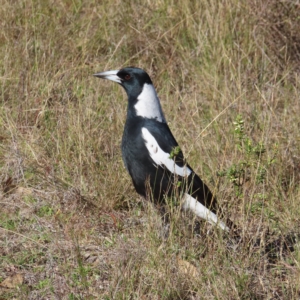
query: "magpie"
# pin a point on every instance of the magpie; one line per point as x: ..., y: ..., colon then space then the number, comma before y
x: 151, y: 154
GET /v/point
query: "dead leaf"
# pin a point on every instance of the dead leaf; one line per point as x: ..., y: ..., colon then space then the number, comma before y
x: 7, y: 185
x: 12, y: 281
x: 187, y: 268
x: 24, y: 191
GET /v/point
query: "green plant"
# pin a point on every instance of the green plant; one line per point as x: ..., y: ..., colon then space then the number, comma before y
x: 252, y: 164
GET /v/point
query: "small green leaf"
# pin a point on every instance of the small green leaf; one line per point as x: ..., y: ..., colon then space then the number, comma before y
x: 175, y: 151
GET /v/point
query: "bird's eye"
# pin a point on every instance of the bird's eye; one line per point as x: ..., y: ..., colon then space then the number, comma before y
x: 127, y: 77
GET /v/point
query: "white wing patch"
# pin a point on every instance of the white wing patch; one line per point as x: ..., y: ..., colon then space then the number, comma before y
x: 148, y: 105
x: 162, y: 158
x: 190, y: 203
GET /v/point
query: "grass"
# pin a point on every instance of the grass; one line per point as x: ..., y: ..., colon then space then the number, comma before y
x: 71, y: 223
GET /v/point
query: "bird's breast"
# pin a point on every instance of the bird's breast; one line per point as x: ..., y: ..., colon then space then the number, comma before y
x: 134, y: 152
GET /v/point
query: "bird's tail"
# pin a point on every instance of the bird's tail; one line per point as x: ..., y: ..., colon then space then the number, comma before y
x: 190, y: 203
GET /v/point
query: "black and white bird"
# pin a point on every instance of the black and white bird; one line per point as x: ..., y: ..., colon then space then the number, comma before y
x: 150, y: 152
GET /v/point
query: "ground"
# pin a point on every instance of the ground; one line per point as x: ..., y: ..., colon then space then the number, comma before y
x: 71, y: 224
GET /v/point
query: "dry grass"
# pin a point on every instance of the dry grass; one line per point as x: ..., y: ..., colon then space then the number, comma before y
x: 70, y: 222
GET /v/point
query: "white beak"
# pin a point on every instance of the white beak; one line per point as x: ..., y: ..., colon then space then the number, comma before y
x: 110, y: 75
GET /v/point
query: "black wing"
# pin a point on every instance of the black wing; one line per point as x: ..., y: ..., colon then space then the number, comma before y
x: 194, y: 185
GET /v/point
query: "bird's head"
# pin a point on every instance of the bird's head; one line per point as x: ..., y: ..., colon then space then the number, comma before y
x: 131, y: 79
x: 142, y: 97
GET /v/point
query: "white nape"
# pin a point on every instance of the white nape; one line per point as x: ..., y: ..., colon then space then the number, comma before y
x: 190, y: 203
x: 162, y: 158
x: 148, y: 104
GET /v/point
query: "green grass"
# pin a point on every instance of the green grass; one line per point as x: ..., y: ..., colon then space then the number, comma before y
x: 70, y: 221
